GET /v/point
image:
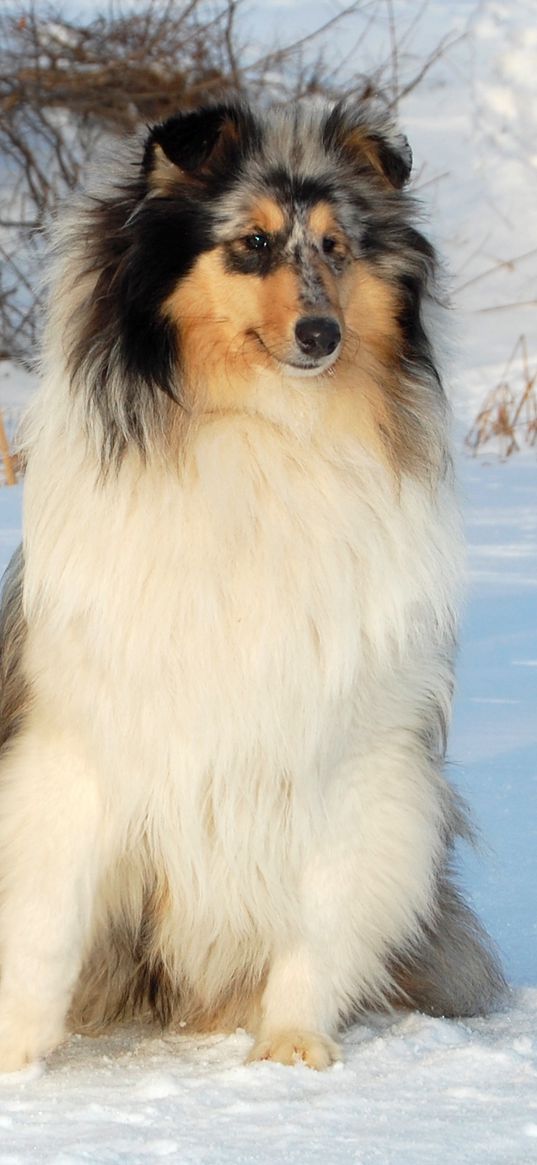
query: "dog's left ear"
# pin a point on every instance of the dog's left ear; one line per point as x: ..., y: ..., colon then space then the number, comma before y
x: 369, y: 138
x: 189, y: 146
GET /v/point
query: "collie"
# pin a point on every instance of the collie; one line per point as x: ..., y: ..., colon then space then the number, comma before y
x: 227, y: 640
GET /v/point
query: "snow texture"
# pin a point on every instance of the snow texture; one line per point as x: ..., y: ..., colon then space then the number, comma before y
x: 411, y: 1090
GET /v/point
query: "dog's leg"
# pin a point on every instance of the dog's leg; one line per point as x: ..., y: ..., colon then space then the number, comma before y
x: 49, y: 860
x: 366, y: 883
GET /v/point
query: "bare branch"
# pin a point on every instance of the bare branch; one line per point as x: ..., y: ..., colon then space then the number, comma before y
x: 65, y: 84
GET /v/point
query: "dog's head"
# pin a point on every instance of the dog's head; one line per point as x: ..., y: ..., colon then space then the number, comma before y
x: 257, y: 248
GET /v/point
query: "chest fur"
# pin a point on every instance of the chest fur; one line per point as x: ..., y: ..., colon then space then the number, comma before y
x: 243, y: 599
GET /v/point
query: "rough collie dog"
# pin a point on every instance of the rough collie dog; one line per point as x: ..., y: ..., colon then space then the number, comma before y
x: 228, y: 638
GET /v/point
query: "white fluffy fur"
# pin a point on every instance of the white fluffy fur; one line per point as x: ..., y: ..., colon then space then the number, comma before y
x: 230, y: 666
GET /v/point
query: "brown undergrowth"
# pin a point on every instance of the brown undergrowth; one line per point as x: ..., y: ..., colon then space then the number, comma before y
x: 509, y: 411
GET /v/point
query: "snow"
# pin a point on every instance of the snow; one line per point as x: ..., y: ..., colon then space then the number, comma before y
x: 493, y: 744
x: 411, y: 1090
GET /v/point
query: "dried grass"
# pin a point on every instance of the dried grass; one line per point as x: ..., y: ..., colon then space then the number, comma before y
x: 509, y: 412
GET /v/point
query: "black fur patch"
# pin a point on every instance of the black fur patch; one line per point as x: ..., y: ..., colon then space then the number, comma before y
x: 189, y: 141
x: 141, y: 249
x: 299, y: 189
x: 167, y: 238
x: 395, y: 167
x: 240, y: 260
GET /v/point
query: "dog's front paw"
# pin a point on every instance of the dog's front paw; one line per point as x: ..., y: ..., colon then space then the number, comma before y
x: 16, y: 1051
x: 296, y: 1046
x: 22, y: 1041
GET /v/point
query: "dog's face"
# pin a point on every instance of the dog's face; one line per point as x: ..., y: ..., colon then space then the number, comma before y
x: 272, y: 249
x: 271, y: 293
x: 282, y: 280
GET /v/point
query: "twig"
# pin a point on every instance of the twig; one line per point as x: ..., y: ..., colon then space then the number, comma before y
x: 506, y: 306
x: 393, y: 53
x: 501, y: 264
x: 445, y: 45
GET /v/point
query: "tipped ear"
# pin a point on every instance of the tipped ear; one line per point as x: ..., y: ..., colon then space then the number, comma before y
x: 190, y: 145
x: 392, y: 157
x: 370, y: 138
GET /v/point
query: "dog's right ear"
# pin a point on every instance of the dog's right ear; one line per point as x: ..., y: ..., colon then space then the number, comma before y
x: 364, y: 134
x: 191, y: 147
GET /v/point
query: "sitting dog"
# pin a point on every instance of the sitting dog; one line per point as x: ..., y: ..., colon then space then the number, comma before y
x: 227, y: 641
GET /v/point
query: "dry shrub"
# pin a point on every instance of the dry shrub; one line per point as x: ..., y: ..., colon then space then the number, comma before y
x: 509, y: 412
x: 8, y: 459
x: 67, y: 84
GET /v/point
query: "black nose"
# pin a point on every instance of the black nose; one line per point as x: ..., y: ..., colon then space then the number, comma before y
x: 317, y: 335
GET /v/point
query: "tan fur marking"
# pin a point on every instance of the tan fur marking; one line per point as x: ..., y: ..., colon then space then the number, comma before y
x: 235, y: 328
x: 220, y: 315
x: 214, y: 310
x: 280, y: 307
x: 322, y: 222
x: 370, y: 309
x: 163, y: 174
x: 368, y: 363
x: 267, y: 216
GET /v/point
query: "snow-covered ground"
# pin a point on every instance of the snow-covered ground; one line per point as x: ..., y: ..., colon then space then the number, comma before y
x: 412, y: 1091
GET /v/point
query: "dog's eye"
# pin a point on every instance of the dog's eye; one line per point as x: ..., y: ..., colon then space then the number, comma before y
x: 328, y: 244
x: 257, y: 242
